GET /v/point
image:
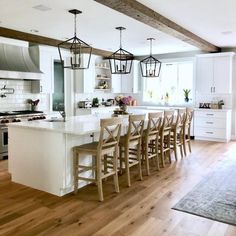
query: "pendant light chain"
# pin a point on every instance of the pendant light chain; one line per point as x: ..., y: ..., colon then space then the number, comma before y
x: 151, y: 47
x: 75, y: 21
x: 120, y: 38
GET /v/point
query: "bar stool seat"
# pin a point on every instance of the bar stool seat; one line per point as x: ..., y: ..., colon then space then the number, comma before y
x: 107, y: 145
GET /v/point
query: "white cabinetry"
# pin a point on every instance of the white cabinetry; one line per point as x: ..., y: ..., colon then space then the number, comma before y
x: 99, y: 111
x: 214, y: 73
x: 44, y: 60
x: 85, y: 79
x: 127, y: 83
x: 212, y: 125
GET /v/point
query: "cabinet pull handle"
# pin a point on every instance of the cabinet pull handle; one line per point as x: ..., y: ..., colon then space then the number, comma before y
x: 214, y: 89
x: 209, y: 132
x: 210, y: 114
x: 211, y: 89
x: 209, y: 122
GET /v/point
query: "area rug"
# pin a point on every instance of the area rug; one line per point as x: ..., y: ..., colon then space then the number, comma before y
x: 215, y: 196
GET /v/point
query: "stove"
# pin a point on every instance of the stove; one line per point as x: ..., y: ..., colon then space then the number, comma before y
x: 10, y: 117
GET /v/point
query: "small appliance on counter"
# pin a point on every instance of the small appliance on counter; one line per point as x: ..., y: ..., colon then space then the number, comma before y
x: 85, y: 104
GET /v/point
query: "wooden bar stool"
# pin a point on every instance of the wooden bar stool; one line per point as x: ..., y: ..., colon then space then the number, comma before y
x: 187, y: 129
x: 177, y: 132
x: 107, y: 144
x: 165, y: 132
x: 150, y: 139
x: 130, y: 146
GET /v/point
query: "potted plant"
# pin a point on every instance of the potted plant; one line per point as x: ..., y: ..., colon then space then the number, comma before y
x: 186, y: 94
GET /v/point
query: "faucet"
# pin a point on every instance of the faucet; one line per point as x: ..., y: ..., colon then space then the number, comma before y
x: 63, y: 114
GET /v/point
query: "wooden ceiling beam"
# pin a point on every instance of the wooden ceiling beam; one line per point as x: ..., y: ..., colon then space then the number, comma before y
x: 142, y: 13
x: 37, y: 39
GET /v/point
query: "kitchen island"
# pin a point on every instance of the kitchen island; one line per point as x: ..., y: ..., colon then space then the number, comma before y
x: 40, y: 152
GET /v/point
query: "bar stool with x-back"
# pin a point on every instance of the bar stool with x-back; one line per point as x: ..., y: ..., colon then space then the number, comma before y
x: 150, y: 139
x: 107, y: 145
x: 130, y: 145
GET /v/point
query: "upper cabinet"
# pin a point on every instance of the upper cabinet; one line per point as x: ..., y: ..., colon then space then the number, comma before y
x: 44, y: 60
x: 214, y: 73
x: 127, y: 83
x: 85, y: 79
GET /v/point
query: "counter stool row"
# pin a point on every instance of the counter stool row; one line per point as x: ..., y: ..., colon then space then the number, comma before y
x: 114, y: 153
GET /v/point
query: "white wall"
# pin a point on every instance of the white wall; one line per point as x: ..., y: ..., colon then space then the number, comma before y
x: 18, y: 100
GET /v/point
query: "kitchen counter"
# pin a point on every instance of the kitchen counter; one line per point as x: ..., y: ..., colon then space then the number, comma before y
x: 41, y: 152
x: 76, y: 125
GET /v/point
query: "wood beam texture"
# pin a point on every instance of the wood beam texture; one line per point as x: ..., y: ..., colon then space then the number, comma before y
x: 32, y: 38
x: 149, y: 17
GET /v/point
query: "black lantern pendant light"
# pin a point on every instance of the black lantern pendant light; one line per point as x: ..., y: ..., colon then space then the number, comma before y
x: 78, y: 49
x: 121, y: 60
x: 150, y: 66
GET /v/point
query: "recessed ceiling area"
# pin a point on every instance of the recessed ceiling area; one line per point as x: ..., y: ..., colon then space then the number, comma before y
x: 214, y: 21
x: 96, y: 25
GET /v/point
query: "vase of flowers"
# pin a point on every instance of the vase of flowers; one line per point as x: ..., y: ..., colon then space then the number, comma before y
x: 33, y: 103
x: 123, y: 102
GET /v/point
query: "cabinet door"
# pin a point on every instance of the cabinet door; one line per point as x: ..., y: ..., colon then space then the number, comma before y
x: 45, y: 63
x: 89, y: 76
x: 129, y: 82
x: 204, y: 74
x: 85, y: 79
x: 116, y: 83
x: 222, y: 74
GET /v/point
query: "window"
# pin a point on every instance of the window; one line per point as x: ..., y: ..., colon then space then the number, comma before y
x: 168, y: 88
x: 58, y: 95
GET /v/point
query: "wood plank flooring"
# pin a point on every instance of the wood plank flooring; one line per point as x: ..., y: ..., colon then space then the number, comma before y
x: 143, y: 209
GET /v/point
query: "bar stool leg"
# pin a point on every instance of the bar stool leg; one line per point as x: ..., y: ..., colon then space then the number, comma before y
x: 115, y: 176
x: 189, y: 141
x: 139, y: 161
x: 127, y: 166
x: 162, y: 152
x: 157, y: 156
x: 175, y: 146
x: 146, y: 157
x: 99, y: 179
x: 76, y: 171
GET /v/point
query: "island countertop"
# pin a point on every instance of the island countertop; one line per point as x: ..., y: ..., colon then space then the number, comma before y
x: 77, y: 125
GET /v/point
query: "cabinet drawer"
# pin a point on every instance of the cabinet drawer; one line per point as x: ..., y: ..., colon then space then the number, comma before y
x: 210, y: 133
x: 211, y: 122
x: 217, y: 114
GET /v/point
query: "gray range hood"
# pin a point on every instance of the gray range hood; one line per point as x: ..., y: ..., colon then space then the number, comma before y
x: 16, y: 63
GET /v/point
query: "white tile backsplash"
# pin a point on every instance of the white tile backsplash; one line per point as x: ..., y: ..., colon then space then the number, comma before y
x: 18, y: 100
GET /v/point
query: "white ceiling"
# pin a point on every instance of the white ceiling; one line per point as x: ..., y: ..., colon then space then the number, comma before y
x: 96, y: 25
x: 214, y: 21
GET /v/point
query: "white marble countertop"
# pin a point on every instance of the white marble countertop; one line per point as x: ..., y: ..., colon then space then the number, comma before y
x: 76, y: 125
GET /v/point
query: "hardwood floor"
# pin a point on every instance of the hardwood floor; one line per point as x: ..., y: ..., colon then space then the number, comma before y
x: 143, y: 209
